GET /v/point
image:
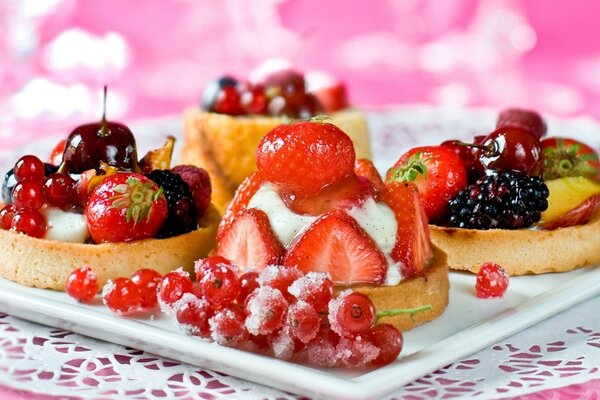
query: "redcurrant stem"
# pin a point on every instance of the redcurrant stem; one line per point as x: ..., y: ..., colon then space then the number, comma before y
x: 398, y: 311
x: 103, y: 127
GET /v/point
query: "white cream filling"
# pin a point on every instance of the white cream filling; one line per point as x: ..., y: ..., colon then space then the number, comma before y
x: 65, y: 226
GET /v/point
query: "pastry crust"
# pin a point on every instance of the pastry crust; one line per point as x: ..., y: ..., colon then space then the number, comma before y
x: 226, y: 146
x: 432, y: 288
x: 46, y: 263
x: 521, y: 251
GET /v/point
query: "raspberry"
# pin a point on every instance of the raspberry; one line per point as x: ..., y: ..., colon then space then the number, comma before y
x: 199, y: 182
x: 492, y: 281
x: 509, y: 200
x: 182, y: 216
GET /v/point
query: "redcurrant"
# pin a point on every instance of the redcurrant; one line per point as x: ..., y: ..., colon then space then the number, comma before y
x: 82, y: 284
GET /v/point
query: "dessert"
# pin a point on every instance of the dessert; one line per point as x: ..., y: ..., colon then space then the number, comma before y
x: 223, y: 135
x: 513, y: 197
x: 103, y: 209
x: 310, y: 211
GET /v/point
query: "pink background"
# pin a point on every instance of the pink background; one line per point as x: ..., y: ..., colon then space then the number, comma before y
x: 156, y: 55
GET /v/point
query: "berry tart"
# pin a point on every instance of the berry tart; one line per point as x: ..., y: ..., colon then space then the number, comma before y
x: 222, y: 136
x: 97, y: 206
x: 326, y: 212
x: 514, y: 197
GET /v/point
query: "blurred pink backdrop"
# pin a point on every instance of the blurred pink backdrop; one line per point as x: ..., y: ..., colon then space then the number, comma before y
x: 156, y: 55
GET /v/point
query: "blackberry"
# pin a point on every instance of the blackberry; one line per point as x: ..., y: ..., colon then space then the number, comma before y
x: 508, y: 200
x: 182, y: 217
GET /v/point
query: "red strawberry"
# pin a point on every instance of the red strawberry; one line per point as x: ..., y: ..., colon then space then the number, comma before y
x: 199, y: 182
x: 332, y: 98
x: 240, y: 201
x: 336, y: 244
x: 249, y: 241
x: 125, y: 207
x: 438, y: 172
x: 303, y: 157
x: 568, y: 157
x: 365, y: 168
x: 578, y: 216
x: 413, y: 247
x: 524, y: 119
x: 343, y: 195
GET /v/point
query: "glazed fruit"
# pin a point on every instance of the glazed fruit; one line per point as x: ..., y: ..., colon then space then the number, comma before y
x: 492, y: 281
x: 524, y: 119
x: 30, y: 222
x: 288, y: 154
x: 579, y: 215
x: 511, y: 149
x: 28, y: 194
x: 125, y: 207
x: 82, y: 284
x: 59, y: 189
x: 564, y: 157
x: 509, y: 200
x: 6, y: 216
x: 29, y: 168
x: 438, y: 173
x: 10, y: 181
x: 212, y: 90
x: 565, y: 194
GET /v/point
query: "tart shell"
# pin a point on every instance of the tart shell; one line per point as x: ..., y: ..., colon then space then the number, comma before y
x: 46, y: 263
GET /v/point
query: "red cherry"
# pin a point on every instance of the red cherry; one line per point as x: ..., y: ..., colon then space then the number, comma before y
x: 219, y: 284
x: 147, y: 280
x: 30, y: 222
x: 173, y: 286
x: 122, y: 296
x: 6, y: 216
x: 351, y: 314
x: 28, y: 194
x: 390, y: 342
x: 60, y: 190
x: 492, y: 281
x: 248, y: 282
x: 29, y: 168
x: 511, y: 148
x: 228, y: 101
x: 193, y: 314
x: 82, y: 284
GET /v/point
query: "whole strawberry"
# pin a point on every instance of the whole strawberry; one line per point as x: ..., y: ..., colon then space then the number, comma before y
x: 125, y: 207
x: 304, y: 157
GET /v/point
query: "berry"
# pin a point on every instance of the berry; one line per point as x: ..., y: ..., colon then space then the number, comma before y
x: 249, y: 241
x: 10, y: 181
x: 357, y: 351
x: 29, y: 168
x: 30, y: 222
x: 147, y: 281
x: 125, y: 207
x: 182, y: 216
x: 565, y: 157
x: 248, y: 283
x: 282, y: 344
x: 255, y: 101
x: 365, y: 168
x: 82, y: 284
x: 509, y: 200
x: 265, y: 311
x: 321, y: 351
x: 524, y: 119
x: 288, y: 154
x: 227, y: 327
x: 6, y: 216
x: 28, y: 194
x: 492, y: 281
x: 303, y: 321
x: 60, y: 190
x: 438, y: 173
x: 212, y: 89
x: 56, y: 155
x: 172, y: 287
x: 121, y: 296
x: 466, y: 152
x: 228, y: 101
x: 219, y: 284
x: 209, y: 263
x: 192, y: 314
x: 510, y: 149
x: 315, y: 288
x: 413, y: 247
x: 198, y: 181
x: 336, y: 244
x: 351, y: 314
x: 333, y: 98
x: 389, y: 340
x: 243, y: 194
x: 279, y: 277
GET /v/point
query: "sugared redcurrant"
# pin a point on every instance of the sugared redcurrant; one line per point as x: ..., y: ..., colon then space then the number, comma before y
x: 172, y: 287
x: 82, y: 284
x: 121, y: 296
x: 389, y: 340
x: 492, y: 281
x: 192, y: 314
x: 147, y: 281
x: 303, y: 321
x: 279, y: 277
x: 219, y: 284
x: 265, y: 311
x: 315, y: 288
x: 227, y: 327
x: 351, y: 314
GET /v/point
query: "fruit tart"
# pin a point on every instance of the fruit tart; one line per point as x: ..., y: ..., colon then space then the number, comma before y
x: 312, y: 206
x: 223, y: 135
x: 100, y: 207
x: 514, y: 197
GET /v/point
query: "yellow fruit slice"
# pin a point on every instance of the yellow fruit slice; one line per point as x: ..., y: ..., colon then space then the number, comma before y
x: 566, y: 194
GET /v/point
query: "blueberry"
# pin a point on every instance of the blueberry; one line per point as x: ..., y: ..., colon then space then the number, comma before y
x: 212, y: 90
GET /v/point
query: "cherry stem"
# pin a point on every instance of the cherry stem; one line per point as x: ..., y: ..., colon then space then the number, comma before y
x: 104, y: 132
x: 399, y: 311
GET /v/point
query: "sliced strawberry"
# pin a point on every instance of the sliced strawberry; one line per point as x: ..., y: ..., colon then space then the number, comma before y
x: 243, y: 194
x: 333, y: 98
x: 249, y: 241
x: 350, y: 192
x: 365, y: 168
x: 578, y: 216
x: 336, y: 244
x: 413, y: 247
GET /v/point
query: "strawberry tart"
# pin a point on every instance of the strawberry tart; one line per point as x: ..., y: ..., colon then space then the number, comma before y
x: 223, y: 135
x: 313, y: 207
x: 98, y: 206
